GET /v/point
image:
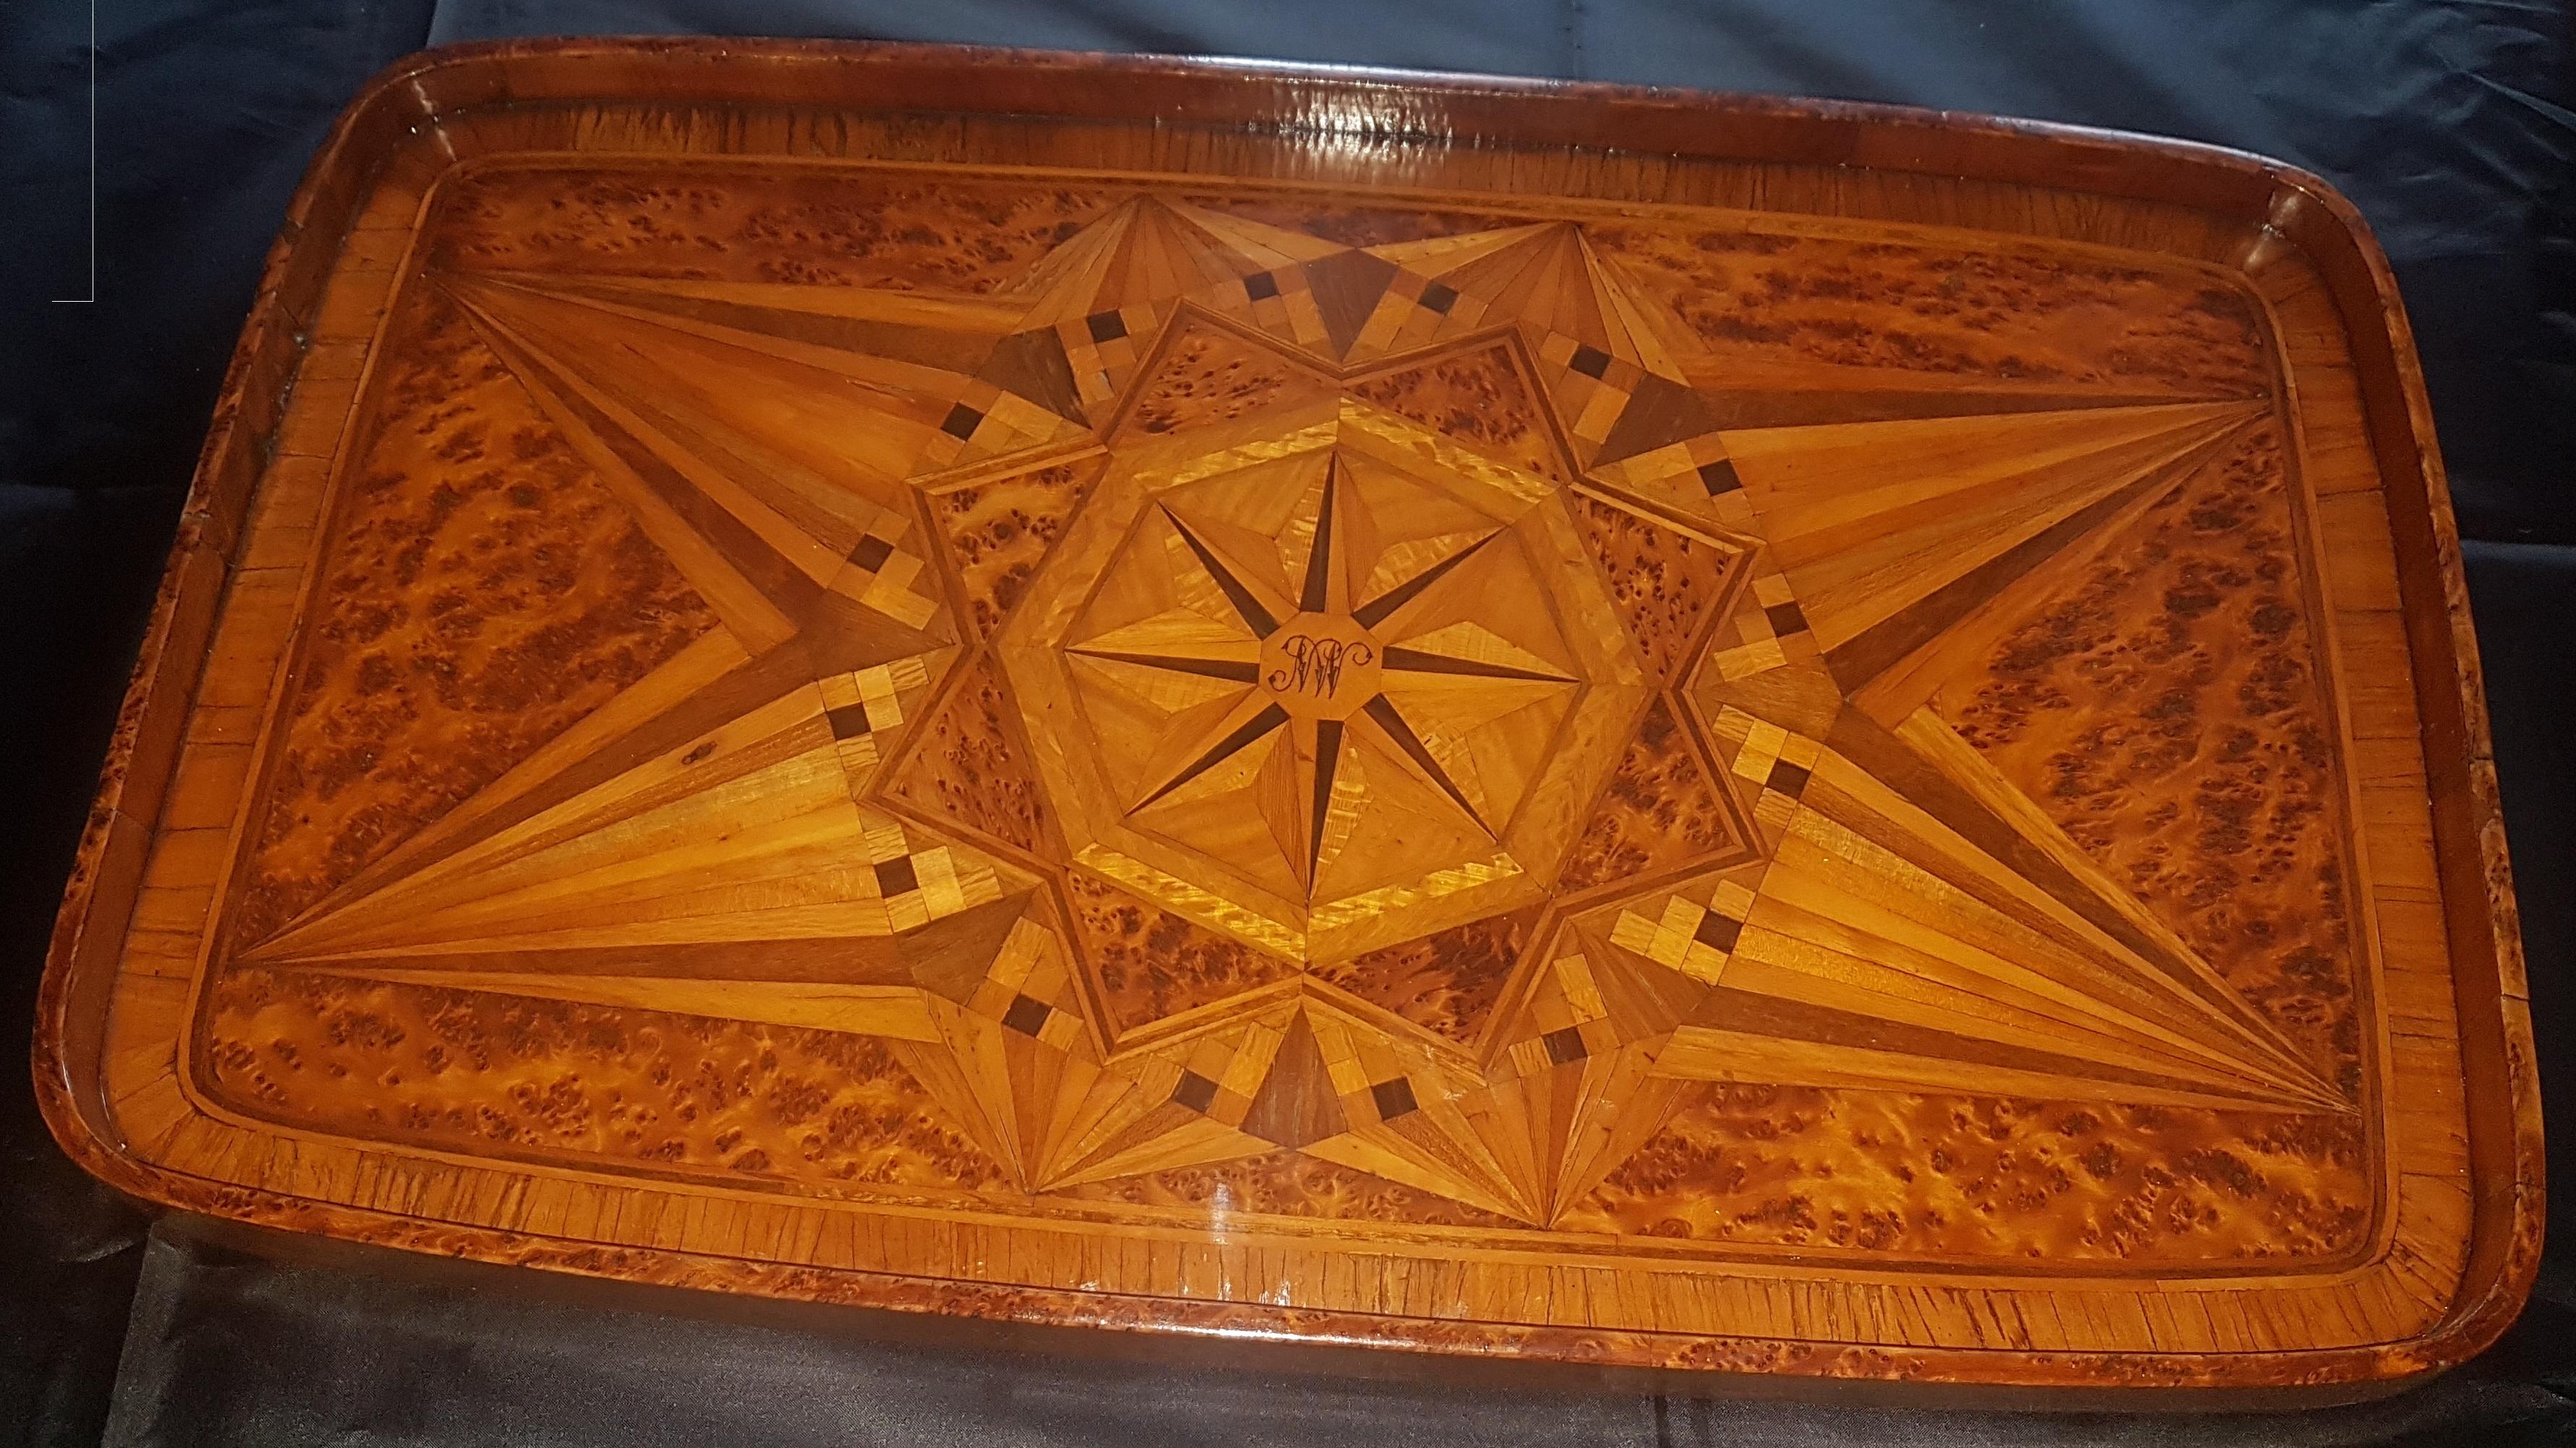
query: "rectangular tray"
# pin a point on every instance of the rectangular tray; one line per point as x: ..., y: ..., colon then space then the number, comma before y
x: 1485, y: 718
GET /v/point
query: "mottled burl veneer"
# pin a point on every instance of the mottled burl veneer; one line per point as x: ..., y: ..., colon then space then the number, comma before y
x: 1963, y: 314
x: 965, y: 764
x: 1153, y: 963
x: 1448, y: 983
x: 554, y: 1082
x: 1662, y: 809
x: 2173, y: 706
x: 483, y: 591
x: 1479, y: 397
x: 998, y: 531
x: 812, y: 228
x: 1988, y: 1177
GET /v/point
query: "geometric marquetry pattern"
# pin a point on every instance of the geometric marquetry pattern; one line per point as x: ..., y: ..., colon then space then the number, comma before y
x: 1163, y: 582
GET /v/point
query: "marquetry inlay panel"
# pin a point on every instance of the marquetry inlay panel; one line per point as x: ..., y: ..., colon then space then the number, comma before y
x: 1032, y: 722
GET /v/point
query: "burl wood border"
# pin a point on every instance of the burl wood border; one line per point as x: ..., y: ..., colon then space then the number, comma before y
x: 2459, y: 1119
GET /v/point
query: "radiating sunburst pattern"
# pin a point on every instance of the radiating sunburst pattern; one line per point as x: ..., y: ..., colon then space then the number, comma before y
x: 1142, y: 699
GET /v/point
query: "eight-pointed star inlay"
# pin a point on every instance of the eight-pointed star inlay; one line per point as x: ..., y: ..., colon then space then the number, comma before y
x: 1312, y: 685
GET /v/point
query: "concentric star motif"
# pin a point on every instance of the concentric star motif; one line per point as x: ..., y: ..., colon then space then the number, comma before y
x: 1236, y: 692
x: 1296, y: 714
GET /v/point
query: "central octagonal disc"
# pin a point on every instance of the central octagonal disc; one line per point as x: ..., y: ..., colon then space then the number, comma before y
x: 1320, y: 678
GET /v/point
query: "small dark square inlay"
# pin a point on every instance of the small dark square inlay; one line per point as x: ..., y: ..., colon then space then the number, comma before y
x: 962, y: 422
x: 850, y: 721
x: 1438, y: 298
x: 1718, y: 932
x: 1565, y: 1045
x: 1719, y: 477
x: 1106, y: 326
x: 1590, y: 361
x: 1195, y: 1091
x: 1789, y: 779
x: 1394, y: 1098
x: 896, y: 876
x: 872, y: 552
x: 1027, y: 1015
x: 1787, y: 618
x: 1260, y: 286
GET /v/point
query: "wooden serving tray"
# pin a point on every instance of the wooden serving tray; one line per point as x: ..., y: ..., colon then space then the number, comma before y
x: 1486, y: 718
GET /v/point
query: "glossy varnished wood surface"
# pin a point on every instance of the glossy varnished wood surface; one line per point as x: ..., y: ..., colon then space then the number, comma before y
x: 1695, y: 735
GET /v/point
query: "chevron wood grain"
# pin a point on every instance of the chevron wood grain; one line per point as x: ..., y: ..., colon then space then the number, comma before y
x: 1739, y: 762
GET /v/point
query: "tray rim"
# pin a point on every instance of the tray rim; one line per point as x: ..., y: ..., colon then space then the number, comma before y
x: 2292, y: 208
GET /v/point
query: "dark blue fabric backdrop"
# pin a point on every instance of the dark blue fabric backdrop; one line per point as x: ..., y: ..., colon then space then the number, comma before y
x: 2446, y: 122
